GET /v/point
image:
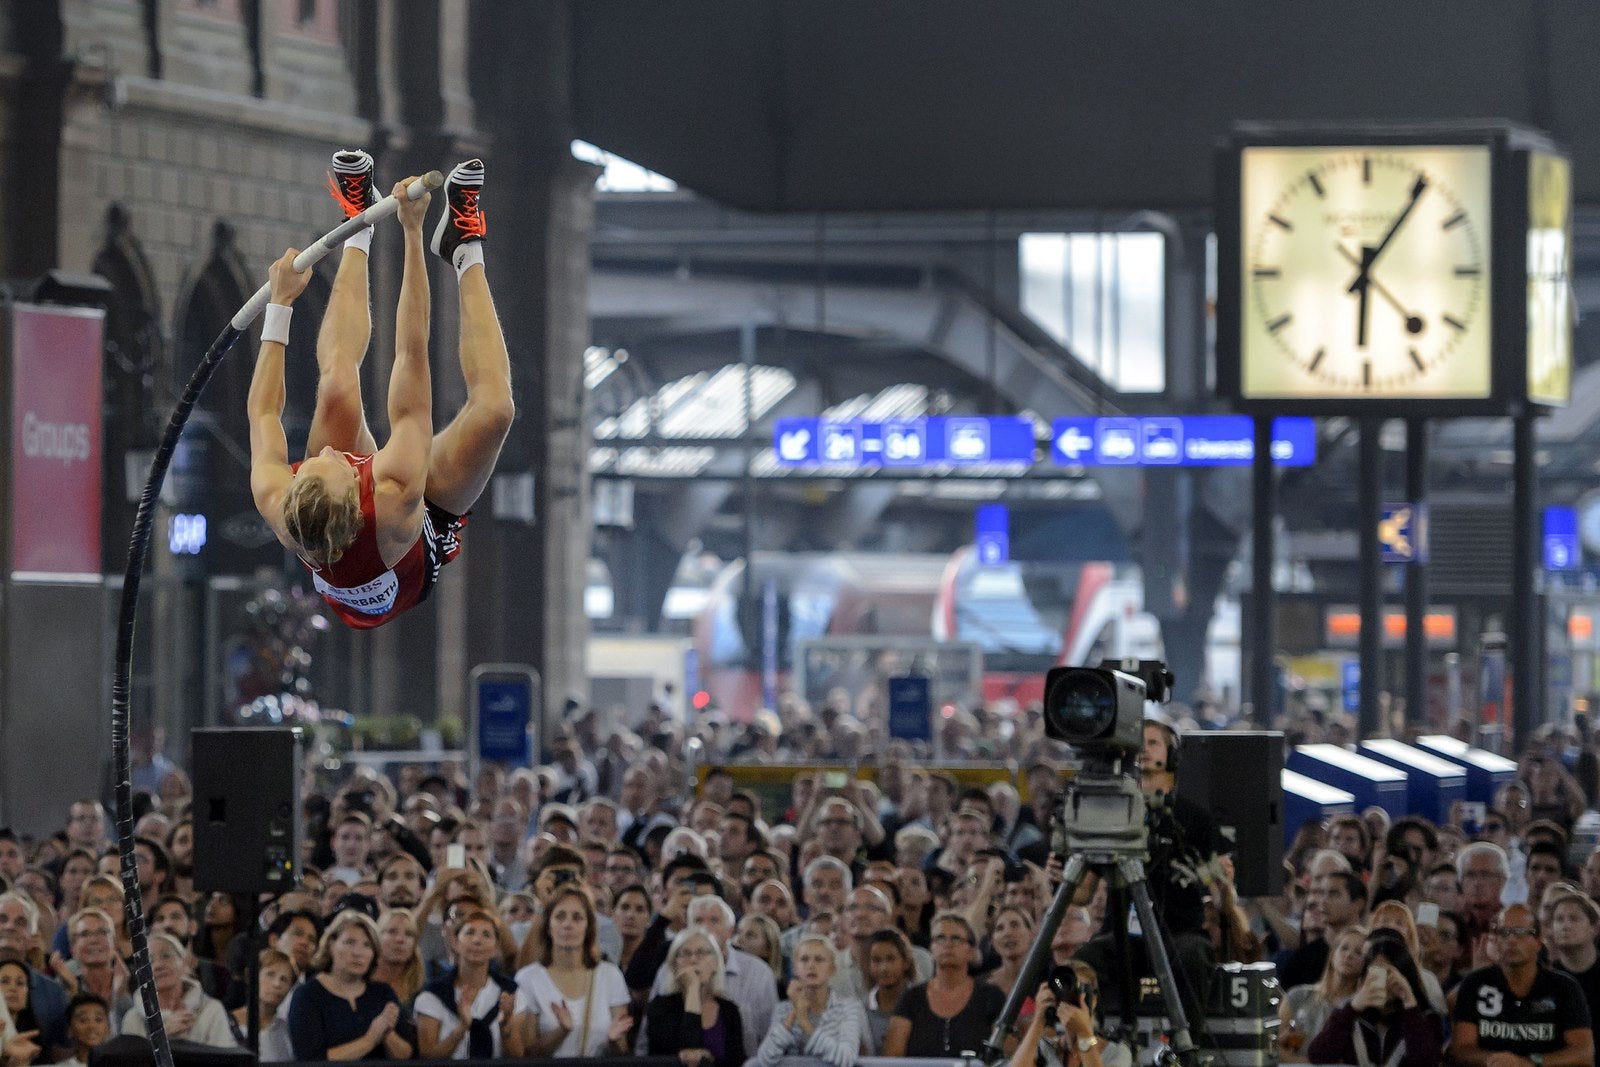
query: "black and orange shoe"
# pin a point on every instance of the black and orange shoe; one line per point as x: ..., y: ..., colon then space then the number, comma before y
x: 462, y: 221
x: 351, y: 183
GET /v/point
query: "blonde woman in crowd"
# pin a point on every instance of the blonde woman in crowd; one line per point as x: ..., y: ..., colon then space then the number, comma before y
x: 276, y: 983
x: 815, y: 1020
x: 1306, y: 1008
x: 399, y: 956
x: 758, y: 935
x: 339, y: 1013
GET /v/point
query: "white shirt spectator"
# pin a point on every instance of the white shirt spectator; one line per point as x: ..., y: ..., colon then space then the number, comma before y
x: 428, y: 1004
x: 537, y: 993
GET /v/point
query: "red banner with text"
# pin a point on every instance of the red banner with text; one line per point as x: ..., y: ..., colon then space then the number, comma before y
x: 55, y: 442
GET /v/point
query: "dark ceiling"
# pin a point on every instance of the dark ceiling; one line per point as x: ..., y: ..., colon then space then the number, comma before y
x: 780, y: 105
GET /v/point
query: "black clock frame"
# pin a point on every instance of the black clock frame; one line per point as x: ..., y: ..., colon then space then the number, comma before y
x: 1510, y: 148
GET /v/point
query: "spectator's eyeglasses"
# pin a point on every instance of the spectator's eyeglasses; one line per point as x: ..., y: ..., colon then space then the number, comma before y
x: 694, y: 954
x: 951, y: 939
x: 1514, y: 931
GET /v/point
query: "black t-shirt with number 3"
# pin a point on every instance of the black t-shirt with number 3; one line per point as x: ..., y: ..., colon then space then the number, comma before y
x: 1505, y: 1022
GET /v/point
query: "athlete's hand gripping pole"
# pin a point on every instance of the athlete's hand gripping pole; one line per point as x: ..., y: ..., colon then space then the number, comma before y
x: 138, y: 548
x: 333, y: 239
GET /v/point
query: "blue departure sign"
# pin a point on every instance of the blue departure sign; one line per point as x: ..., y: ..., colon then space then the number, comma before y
x: 1561, y: 550
x: 1178, y: 441
x: 993, y: 535
x: 934, y: 441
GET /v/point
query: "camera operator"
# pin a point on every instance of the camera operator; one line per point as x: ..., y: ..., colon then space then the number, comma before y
x: 1184, y: 848
x: 1062, y: 1031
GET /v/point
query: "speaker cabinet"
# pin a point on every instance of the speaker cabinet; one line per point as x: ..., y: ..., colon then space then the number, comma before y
x: 1237, y: 775
x: 247, y: 826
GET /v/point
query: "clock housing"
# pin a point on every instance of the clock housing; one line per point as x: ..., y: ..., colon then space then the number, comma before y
x: 1403, y: 271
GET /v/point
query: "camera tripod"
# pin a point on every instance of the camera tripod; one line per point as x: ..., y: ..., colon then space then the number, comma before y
x: 1100, y: 827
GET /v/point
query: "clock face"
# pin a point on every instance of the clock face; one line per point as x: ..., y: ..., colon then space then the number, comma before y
x: 1550, y: 307
x: 1366, y: 272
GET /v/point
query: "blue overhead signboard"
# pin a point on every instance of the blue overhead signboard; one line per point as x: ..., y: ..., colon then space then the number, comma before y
x: 934, y: 441
x: 1084, y: 441
x: 1178, y: 441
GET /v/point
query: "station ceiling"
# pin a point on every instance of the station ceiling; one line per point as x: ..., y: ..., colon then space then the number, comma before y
x: 836, y: 105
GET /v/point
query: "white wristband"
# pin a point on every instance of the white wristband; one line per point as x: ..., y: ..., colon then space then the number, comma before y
x: 275, y: 323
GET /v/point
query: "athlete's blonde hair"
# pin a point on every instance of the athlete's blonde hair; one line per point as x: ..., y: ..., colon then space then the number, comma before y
x: 323, y: 525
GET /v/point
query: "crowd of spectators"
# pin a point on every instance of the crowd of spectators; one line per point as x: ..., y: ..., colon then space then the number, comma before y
x: 608, y: 903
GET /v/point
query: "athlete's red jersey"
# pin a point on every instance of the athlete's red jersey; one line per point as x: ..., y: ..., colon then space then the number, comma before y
x: 361, y: 590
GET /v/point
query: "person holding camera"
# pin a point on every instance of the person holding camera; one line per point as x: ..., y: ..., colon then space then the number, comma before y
x: 1062, y: 1030
x: 1387, y: 1020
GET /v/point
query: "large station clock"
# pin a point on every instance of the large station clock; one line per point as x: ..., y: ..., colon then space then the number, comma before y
x: 1366, y: 271
x: 1390, y: 271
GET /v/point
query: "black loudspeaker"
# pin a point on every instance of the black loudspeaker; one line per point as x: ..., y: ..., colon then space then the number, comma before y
x: 247, y: 826
x: 1237, y: 775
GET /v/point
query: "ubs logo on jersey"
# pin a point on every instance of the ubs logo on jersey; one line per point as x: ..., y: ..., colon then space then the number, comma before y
x: 376, y: 597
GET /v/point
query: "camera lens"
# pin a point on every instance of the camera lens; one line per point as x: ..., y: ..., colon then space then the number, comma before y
x: 1082, y: 705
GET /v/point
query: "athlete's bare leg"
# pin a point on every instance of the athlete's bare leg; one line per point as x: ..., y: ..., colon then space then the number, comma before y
x: 465, y: 452
x: 339, y: 419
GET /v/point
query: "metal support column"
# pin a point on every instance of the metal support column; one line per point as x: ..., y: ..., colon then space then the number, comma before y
x: 1524, y: 631
x: 1416, y: 579
x: 1262, y: 633
x: 747, y: 359
x: 1368, y: 507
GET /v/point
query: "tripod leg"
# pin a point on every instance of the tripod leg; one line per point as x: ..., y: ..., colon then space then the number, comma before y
x: 1038, y: 953
x: 1132, y: 871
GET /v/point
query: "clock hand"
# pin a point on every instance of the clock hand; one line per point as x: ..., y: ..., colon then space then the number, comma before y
x: 1369, y: 255
x: 1414, y: 323
x: 1363, y: 284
